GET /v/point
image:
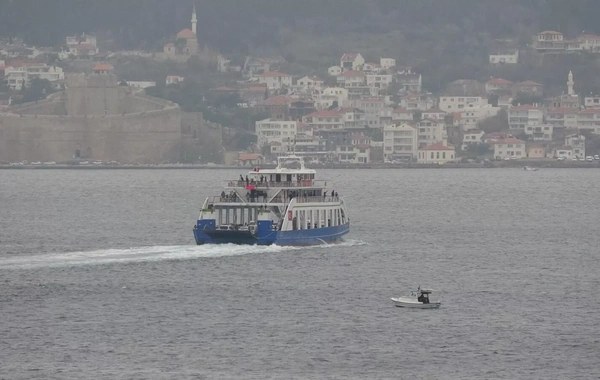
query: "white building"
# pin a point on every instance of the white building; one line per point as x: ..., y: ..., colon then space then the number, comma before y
x: 401, y: 114
x: 173, y: 79
x: 324, y: 120
x: 437, y: 153
x: 310, y: 81
x: 563, y: 152
x: 400, y: 141
x: 83, y: 45
x: 373, y: 109
x: 19, y: 77
x: 472, y: 137
x: 431, y: 132
x: 508, y: 57
x: 387, y: 63
x: 589, y: 119
x: 416, y: 102
x: 495, y: 85
x: 358, y: 150
x: 379, y: 81
x: 540, y: 132
x: 141, y: 84
x: 509, y: 147
x: 269, y: 130
x: 577, y: 144
x: 434, y: 114
x: 352, y: 61
x: 325, y: 98
x: 351, y: 78
x: 592, y: 101
x: 562, y: 117
x: 521, y: 116
x: 334, y: 71
x: 461, y: 103
x: 275, y: 80
x: 590, y: 42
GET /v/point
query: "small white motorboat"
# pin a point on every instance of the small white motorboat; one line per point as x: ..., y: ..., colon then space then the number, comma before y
x: 417, y: 300
x: 530, y: 169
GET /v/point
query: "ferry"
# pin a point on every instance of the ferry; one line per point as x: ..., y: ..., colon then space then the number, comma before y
x: 285, y: 206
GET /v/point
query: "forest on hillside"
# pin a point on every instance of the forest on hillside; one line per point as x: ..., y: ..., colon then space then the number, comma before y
x: 443, y: 39
x: 235, y: 24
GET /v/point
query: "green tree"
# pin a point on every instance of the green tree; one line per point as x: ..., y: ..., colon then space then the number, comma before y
x: 37, y: 90
x: 496, y: 123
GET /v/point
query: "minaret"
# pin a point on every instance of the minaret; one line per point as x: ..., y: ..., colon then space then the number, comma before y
x: 570, y: 84
x: 194, y: 19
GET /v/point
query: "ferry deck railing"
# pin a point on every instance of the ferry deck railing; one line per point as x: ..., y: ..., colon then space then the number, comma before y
x: 279, y: 199
x: 270, y: 184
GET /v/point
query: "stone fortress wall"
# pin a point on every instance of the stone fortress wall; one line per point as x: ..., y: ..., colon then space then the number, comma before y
x: 94, y: 120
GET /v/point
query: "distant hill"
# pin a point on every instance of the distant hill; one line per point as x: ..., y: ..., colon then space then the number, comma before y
x: 443, y: 38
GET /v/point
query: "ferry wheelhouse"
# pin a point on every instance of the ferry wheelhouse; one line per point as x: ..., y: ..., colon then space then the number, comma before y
x: 283, y: 206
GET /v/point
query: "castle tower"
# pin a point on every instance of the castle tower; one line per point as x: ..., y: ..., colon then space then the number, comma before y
x: 194, y: 19
x: 570, y: 84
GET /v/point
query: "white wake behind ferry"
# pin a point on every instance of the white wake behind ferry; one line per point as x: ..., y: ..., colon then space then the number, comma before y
x: 283, y: 206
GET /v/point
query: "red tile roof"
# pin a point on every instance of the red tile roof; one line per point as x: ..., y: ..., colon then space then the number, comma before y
x: 324, y: 113
x: 590, y: 111
x: 437, y: 146
x: 274, y: 74
x: 590, y: 36
x: 523, y: 107
x: 431, y: 121
x: 349, y: 57
x: 499, y: 81
x: 434, y: 110
x: 102, y: 67
x: 402, y: 110
x: 186, y: 33
x: 279, y: 100
x: 352, y: 74
x: 224, y: 89
x: 254, y: 89
x: 562, y: 110
x: 510, y: 140
x: 528, y: 83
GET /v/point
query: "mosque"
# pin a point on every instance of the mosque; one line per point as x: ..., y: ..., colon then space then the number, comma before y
x: 186, y: 44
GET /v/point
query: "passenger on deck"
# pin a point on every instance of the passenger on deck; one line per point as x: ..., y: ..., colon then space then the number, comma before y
x: 247, y: 181
x: 223, y: 195
x: 325, y: 194
x: 241, y: 178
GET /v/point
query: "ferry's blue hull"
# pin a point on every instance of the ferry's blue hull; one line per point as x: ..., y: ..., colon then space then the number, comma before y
x: 268, y: 236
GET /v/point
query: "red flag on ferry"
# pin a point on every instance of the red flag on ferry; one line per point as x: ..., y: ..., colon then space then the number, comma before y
x: 250, y: 187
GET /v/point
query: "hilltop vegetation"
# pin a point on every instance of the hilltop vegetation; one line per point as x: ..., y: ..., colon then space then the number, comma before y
x: 443, y: 39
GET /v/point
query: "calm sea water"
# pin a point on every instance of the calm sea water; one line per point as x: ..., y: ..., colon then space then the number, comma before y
x: 99, y: 279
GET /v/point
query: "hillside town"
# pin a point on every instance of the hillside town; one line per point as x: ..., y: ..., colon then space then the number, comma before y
x: 362, y: 110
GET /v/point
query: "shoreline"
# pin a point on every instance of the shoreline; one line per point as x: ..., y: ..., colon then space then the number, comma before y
x: 491, y: 165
